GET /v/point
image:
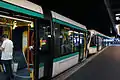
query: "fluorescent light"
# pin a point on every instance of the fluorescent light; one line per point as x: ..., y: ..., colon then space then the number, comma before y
x: 14, y: 24
x: 117, y: 18
x: 117, y: 14
x: 70, y: 31
x: 81, y: 33
x: 75, y: 32
x: 15, y: 18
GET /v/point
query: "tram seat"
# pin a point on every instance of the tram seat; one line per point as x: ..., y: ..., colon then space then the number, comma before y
x: 22, y: 71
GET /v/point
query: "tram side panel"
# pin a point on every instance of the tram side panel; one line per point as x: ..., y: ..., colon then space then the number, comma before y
x: 95, y: 41
x: 91, y: 46
x: 66, y: 48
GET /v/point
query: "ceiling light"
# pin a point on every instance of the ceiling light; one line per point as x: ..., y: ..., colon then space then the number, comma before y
x: 117, y: 18
x: 14, y: 24
x: 117, y: 14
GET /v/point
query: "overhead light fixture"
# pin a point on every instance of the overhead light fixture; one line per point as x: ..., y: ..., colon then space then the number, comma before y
x: 117, y: 18
x: 75, y: 32
x: 14, y: 24
x: 81, y: 33
x: 32, y: 24
x: 117, y: 14
x: 70, y: 31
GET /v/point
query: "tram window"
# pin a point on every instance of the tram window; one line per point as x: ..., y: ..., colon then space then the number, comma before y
x: 93, y: 41
x: 67, y: 40
x: 99, y: 41
x: 58, y: 38
x: 76, y: 41
x: 63, y: 40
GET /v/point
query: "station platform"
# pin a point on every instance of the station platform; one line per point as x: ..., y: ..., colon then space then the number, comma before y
x: 105, y: 65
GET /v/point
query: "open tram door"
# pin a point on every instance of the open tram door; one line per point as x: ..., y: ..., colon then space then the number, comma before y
x: 17, y: 30
x: 43, y: 47
x: 21, y: 39
x: 36, y: 33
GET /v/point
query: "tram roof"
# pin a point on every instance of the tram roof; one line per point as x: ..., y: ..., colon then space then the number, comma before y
x: 27, y: 7
x: 98, y: 33
x: 65, y: 19
x: 26, y: 4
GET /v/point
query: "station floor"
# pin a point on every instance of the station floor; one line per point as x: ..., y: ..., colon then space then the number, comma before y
x: 105, y: 66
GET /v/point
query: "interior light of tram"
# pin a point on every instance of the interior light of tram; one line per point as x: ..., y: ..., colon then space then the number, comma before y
x: 32, y: 25
x: 14, y: 24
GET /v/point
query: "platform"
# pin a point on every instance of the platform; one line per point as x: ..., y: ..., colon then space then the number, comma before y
x: 105, y: 66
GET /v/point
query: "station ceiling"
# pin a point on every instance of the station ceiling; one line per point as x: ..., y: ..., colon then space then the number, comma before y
x: 115, y: 10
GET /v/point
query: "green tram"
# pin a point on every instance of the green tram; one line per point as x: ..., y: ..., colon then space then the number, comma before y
x: 58, y: 42
x: 95, y: 41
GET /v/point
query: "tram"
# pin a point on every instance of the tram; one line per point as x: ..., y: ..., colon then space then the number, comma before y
x: 47, y: 42
x: 59, y: 42
x: 95, y: 41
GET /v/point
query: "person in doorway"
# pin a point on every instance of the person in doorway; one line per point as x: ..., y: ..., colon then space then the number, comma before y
x: 7, y: 51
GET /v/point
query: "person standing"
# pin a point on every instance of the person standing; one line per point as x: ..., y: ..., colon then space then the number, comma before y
x: 7, y: 55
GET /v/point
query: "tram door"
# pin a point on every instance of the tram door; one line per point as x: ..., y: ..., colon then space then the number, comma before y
x: 43, y: 55
x: 18, y: 31
x: 21, y: 39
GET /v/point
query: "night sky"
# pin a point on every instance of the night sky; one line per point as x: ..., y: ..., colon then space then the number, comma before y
x: 91, y: 13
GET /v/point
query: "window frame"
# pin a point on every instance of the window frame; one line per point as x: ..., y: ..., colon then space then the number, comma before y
x: 73, y: 29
